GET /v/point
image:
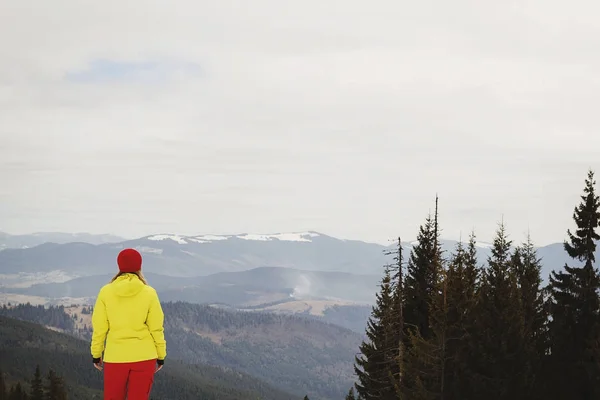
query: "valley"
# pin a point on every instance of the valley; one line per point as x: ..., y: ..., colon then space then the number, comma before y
x: 294, y: 354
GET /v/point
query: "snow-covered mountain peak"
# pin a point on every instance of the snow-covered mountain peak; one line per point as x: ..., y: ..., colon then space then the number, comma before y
x: 284, y: 237
x: 175, y: 238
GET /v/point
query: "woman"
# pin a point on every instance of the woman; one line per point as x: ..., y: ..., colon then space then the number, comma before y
x: 128, y: 316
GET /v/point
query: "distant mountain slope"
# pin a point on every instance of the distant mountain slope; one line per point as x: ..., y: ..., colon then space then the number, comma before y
x: 176, y: 255
x: 25, y: 344
x: 202, y: 255
x: 192, y: 256
x: 8, y: 241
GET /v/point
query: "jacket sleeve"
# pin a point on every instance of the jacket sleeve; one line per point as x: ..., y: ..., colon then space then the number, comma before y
x: 155, y: 322
x: 99, y: 326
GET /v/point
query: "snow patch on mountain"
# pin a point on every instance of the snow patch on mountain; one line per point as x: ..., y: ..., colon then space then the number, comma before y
x: 453, y: 243
x: 208, y: 238
x: 286, y: 237
x: 175, y: 238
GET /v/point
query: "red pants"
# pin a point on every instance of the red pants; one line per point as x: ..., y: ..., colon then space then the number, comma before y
x: 131, y: 381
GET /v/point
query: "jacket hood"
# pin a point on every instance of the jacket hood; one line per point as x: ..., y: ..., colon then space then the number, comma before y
x: 127, y: 285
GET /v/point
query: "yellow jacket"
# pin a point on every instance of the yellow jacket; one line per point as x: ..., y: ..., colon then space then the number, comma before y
x: 128, y: 316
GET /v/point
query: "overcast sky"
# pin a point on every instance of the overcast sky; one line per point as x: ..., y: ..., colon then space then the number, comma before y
x: 344, y: 117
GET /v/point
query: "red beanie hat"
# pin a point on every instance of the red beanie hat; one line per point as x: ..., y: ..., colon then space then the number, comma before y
x: 129, y: 260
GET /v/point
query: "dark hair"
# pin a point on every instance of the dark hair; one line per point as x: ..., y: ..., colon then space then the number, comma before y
x: 138, y: 273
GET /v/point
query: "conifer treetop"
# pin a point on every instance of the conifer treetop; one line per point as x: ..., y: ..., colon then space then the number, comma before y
x: 581, y: 245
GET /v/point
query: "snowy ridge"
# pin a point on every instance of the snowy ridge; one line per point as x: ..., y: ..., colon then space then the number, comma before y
x: 482, y: 245
x: 175, y: 238
x: 285, y: 237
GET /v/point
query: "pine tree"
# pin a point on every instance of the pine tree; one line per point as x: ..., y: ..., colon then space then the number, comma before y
x: 421, y: 291
x: 575, y: 306
x: 498, y: 326
x: 55, y: 388
x: 438, y: 367
x: 464, y: 384
x: 461, y: 289
x: 37, y: 386
x: 375, y: 362
x: 420, y: 280
x: 426, y: 359
x: 527, y: 267
x: 421, y: 277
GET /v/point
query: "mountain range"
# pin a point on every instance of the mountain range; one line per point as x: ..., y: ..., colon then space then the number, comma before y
x: 201, y: 255
x: 303, y: 272
x: 8, y: 241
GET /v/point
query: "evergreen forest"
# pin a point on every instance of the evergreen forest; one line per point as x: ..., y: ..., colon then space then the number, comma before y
x: 446, y: 328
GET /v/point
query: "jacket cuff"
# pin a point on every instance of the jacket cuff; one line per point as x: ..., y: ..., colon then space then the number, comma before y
x: 160, y: 362
x: 96, y: 360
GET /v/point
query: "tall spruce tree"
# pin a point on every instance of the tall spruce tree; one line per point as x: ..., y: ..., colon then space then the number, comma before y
x: 426, y: 359
x: 499, y: 326
x: 438, y: 367
x: 37, y: 385
x: 421, y: 289
x: 575, y: 307
x: 376, y: 360
x: 527, y: 267
x: 422, y: 277
x: 461, y: 285
x: 464, y: 274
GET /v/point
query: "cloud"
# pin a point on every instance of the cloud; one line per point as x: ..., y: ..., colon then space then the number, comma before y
x: 339, y: 116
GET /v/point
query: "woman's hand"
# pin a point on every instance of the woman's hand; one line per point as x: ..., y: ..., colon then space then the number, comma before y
x: 98, y: 364
x: 159, y: 365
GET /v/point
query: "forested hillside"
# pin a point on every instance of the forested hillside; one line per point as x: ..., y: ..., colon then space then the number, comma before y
x: 296, y: 354
x: 23, y: 345
x: 447, y: 327
x: 299, y: 354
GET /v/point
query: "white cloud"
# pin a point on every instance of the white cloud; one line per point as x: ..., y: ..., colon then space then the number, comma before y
x: 339, y: 116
